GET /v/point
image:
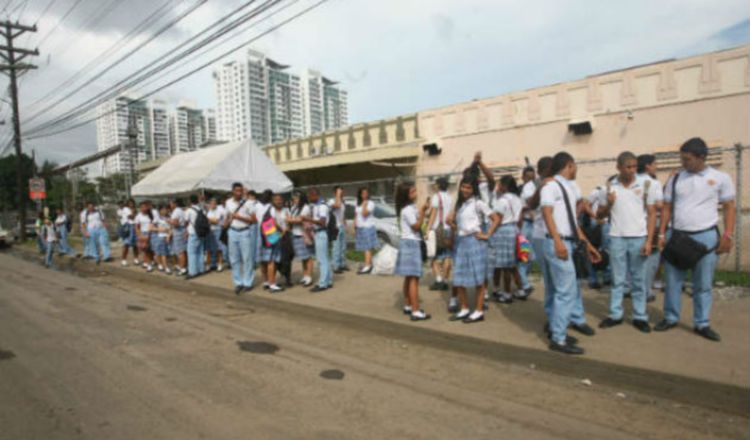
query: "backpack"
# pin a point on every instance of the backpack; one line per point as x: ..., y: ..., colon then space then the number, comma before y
x: 68, y: 224
x: 202, y: 226
x: 269, y: 230
x: 331, y: 227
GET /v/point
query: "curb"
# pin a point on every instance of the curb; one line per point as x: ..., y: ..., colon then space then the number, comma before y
x: 725, y: 398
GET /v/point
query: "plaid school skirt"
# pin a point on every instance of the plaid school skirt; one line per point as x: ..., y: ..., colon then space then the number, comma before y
x: 366, y: 239
x: 159, y: 245
x: 144, y: 242
x: 273, y: 253
x: 470, y: 269
x: 502, y: 250
x: 409, y: 261
x: 179, y: 241
x: 301, y: 250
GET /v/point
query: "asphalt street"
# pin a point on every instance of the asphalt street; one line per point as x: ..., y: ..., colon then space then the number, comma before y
x: 100, y: 357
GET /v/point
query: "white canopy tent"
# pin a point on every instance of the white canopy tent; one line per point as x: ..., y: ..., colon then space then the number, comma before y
x: 214, y: 168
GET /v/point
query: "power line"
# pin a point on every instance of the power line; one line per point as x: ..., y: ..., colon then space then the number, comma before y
x: 163, y: 29
x: 190, y: 73
x: 59, y: 22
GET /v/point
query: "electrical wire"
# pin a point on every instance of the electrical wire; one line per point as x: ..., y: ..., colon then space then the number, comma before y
x: 190, y: 73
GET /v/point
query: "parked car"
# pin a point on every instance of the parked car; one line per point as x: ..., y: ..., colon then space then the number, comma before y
x: 5, y: 237
x: 386, y: 223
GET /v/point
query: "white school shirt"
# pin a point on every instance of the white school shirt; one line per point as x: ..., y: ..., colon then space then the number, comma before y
x: 192, y: 216
x: 365, y: 222
x: 628, y: 214
x: 552, y: 196
x: 162, y: 223
x: 50, y: 235
x: 509, y: 206
x: 93, y: 220
x: 471, y: 216
x: 338, y: 213
x: 320, y: 211
x: 247, y: 210
x: 179, y: 215
x: 527, y: 191
x: 144, y: 221
x: 298, y: 228
x: 216, y: 214
x: 447, y: 202
x: 408, y: 218
x: 60, y: 220
x: 698, y: 198
x: 124, y: 214
x: 279, y: 216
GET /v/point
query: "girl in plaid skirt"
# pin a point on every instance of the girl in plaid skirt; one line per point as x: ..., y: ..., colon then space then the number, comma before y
x: 409, y: 262
x: 302, y: 238
x: 471, y: 248
x: 503, y: 260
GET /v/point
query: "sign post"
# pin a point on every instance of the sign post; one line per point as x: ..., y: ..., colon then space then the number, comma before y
x: 37, y: 190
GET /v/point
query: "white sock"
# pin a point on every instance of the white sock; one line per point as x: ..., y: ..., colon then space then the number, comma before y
x: 418, y: 314
x: 463, y: 312
x: 476, y: 314
x: 438, y: 279
x: 407, y: 309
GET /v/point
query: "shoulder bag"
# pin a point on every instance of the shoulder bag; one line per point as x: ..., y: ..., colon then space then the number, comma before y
x: 580, y: 254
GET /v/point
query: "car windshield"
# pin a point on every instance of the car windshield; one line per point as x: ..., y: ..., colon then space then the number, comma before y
x: 384, y: 211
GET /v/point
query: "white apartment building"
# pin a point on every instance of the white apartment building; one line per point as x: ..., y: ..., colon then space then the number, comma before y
x: 112, y: 130
x: 160, y: 139
x: 209, y: 126
x: 324, y: 104
x: 259, y: 98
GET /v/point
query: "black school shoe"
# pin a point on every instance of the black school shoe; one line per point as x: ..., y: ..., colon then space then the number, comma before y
x: 238, y: 290
x: 317, y: 289
x: 708, y: 333
x: 609, y: 322
x: 583, y: 329
x: 642, y: 325
x: 424, y: 317
x: 566, y: 348
x: 664, y: 325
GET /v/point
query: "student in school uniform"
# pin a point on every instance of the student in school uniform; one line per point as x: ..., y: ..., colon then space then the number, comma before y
x: 319, y: 219
x: 647, y: 168
x: 366, y: 235
x: 262, y: 205
x: 692, y: 198
x: 38, y: 226
x: 303, y: 235
x: 61, y: 224
x: 558, y: 200
x: 538, y: 235
x: 338, y: 209
x: 88, y: 253
x: 471, y: 248
x: 271, y: 252
x: 160, y: 238
x: 216, y: 215
x: 144, y: 221
x: 241, y: 238
x: 629, y: 201
x: 126, y: 215
x: 409, y: 261
x: 95, y: 230
x: 196, y: 246
x: 48, y: 233
x: 527, y: 190
x: 178, y: 220
x: 502, y: 245
x: 441, y: 204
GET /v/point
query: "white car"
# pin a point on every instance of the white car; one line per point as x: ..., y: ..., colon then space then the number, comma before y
x: 5, y: 237
x: 386, y: 223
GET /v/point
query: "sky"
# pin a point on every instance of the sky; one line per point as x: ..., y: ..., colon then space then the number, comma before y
x: 393, y: 56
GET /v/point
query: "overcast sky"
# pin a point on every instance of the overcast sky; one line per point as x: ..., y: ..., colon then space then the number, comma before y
x: 393, y: 56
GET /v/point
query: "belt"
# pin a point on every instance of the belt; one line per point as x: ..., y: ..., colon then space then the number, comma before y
x: 564, y: 237
x: 528, y: 220
x: 239, y: 229
x: 697, y: 232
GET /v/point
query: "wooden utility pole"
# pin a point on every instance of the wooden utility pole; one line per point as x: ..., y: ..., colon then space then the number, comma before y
x: 13, y: 58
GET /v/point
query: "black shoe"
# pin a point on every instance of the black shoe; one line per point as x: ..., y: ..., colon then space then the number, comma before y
x: 609, y: 322
x: 583, y: 329
x: 664, y: 325
x: 407, y: 311
x: 266, y: 286
x: 566, y: 349
x: 595, y: 286
x: 247, y: 288
x: 456, y: 317
x: 469, y: 320
x: 338, y: 271
x: 435, y: 286
x: 421, y: 318
x: 317, y: 289
x: 455, y: 308
x: 642, y: 325
x: 109, y: 260
x: 708, y: 333
x: 345, y: 268
x: 529, y: 290
x: 238, y: 290
x: 521, y: 296
x: 569, y: 340
x: 444, y: 286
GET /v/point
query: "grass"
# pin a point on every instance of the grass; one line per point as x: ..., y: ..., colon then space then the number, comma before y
x: 733, y: 278
x: 356, y: 256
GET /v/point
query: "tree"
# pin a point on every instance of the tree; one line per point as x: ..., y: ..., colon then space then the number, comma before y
x: 8, y: 185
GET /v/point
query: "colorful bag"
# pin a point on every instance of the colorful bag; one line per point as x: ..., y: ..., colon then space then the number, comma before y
x: 523, y: 248
x: 270, y: 231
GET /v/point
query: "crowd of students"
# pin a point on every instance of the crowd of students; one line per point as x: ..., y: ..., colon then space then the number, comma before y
x: 480, y: 241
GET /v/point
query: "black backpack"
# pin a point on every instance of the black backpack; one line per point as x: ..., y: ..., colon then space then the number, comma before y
x: 68, y: 224
x: 202, y: 226
x: 332, y: 228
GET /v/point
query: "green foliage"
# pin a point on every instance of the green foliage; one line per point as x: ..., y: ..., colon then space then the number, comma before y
x: 8, y: 184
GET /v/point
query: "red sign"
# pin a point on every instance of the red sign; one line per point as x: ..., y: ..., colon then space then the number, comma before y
x: 37, y: 190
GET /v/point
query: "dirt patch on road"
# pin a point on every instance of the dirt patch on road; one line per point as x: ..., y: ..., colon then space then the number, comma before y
x: 258, y: 347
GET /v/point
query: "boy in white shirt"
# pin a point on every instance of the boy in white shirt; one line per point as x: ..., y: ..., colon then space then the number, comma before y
x: 647, y: 168
x: 338, y: 209
x: 629, y: 201
x: 319, y: 219
x: 441, y: 205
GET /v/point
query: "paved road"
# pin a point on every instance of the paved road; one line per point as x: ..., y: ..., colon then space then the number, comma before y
x: 101, y: 358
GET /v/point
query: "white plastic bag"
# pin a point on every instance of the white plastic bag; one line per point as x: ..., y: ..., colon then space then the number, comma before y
x: 431, y: 243
x: 384, y: 262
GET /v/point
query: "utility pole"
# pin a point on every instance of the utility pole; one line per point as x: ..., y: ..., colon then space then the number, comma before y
x: 132, y: 148
x: 13, y: 58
